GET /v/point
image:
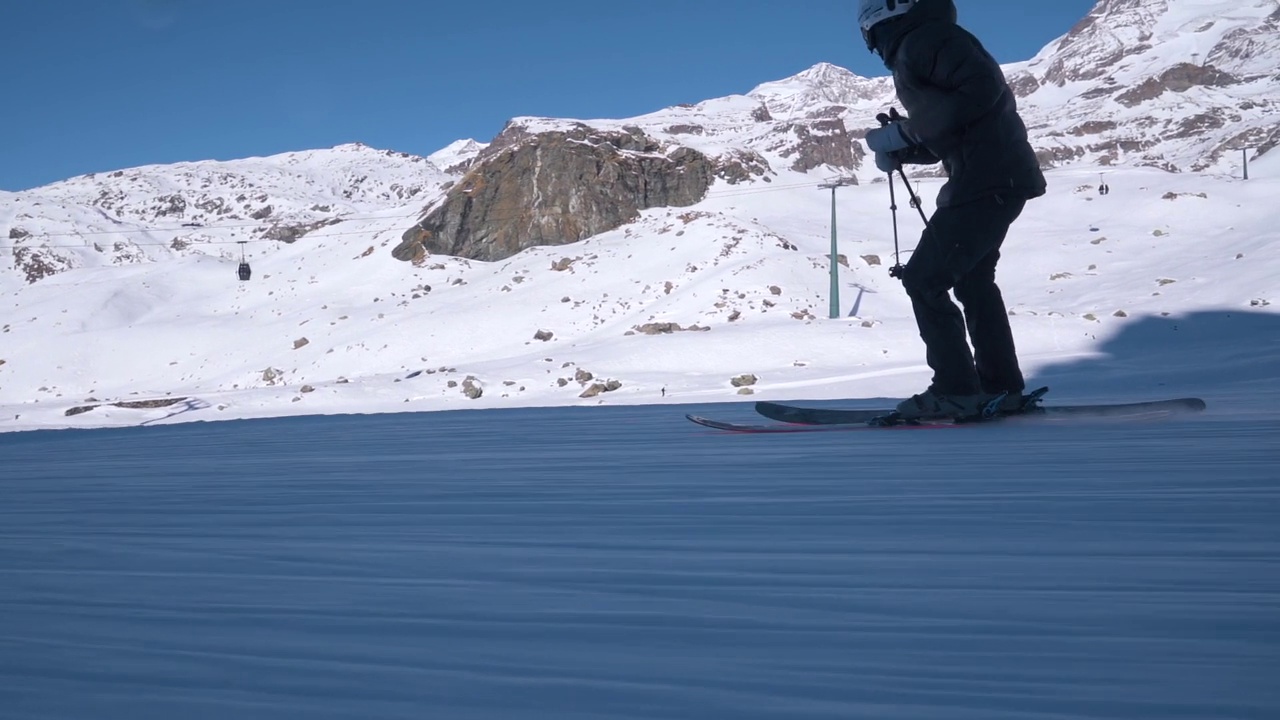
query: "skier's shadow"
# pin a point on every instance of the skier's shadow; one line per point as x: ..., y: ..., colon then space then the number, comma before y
x: 1194, y: 353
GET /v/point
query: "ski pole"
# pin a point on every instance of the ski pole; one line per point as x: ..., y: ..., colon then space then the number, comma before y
x: 915, y: 199
x: 885, y: 120
x: 896, y: 270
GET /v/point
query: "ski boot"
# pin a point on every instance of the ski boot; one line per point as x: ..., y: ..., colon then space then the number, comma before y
x: 932, y: 405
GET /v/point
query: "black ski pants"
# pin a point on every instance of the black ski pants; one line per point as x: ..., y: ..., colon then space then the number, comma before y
x: 958, y: 251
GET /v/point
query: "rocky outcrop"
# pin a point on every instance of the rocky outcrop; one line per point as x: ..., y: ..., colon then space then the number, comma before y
x: 1256, y: 141
x: 738, y: 166
x: 554, y: 188
x: 600, y: 387
x: 128, y: 405
x: 1184, y: 76
x: 664, y: 328
x: 37, y: 263
x: 1023, y: 84
x: 289, y: 233
x: 1093, y: 127
x: 1179, y: 78
x: 818, y: 142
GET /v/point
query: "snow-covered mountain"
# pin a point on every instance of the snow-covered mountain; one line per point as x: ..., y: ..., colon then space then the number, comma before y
x: 456, y: 153
x: 1171, y: 83
x: 159, y: 212
x: 122, y: 286
x: 821, y: 87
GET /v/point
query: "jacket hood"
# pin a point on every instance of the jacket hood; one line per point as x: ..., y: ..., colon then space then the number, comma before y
x: 944, y: 10
x: 886, y: 35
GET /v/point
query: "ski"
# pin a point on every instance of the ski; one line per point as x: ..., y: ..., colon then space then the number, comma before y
x: 793, y: 418
x: 826, y: 416
x: 817, y: 416
x: 828, y: 427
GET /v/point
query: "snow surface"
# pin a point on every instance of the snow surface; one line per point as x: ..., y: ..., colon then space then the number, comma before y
x: 622, y: 563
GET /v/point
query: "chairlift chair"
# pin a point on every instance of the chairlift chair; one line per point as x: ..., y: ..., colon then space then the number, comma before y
x: 244, y: 270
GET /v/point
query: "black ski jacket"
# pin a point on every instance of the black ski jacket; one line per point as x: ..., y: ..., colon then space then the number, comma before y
x: 960, y: 107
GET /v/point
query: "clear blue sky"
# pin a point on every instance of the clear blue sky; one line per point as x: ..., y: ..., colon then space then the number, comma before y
x: 98, y: 85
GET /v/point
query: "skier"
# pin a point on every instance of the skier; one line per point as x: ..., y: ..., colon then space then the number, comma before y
x: 960, y: 111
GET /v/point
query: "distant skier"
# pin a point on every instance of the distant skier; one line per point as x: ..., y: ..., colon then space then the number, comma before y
x: 960, y: 111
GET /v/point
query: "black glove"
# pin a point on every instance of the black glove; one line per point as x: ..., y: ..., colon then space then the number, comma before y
x: 894, y: 144
x: 894, y: 133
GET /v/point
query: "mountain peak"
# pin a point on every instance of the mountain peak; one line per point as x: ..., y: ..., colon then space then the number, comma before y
x: 456, y: 153
x: 826, y: 73
x: 818, y: 87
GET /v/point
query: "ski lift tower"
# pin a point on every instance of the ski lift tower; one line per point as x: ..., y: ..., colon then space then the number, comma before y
x: 835, y: 256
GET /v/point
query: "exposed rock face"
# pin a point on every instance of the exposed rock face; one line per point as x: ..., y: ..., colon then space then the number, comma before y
x: 740, y: 165
x: 558, y: 185
x: 290, y: 233
x: 1023, y: 84
x: 555, y: 188
x: 665, y: 328
x: 822, y: 142
x: 597, y: 388
x: 1184, y: 76
x: 1179, y: 78
x: 1111, y: 32
x: 37, y: 263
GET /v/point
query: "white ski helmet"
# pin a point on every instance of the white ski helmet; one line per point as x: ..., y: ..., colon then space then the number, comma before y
x: 872, y: 12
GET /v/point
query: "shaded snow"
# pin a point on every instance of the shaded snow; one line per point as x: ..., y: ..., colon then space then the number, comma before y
x: 620, y: 562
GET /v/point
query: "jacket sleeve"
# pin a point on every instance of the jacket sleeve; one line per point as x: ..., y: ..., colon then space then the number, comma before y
x: 965, y: 81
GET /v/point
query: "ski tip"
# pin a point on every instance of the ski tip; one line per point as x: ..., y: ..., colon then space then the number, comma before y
x: 729, y: 426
